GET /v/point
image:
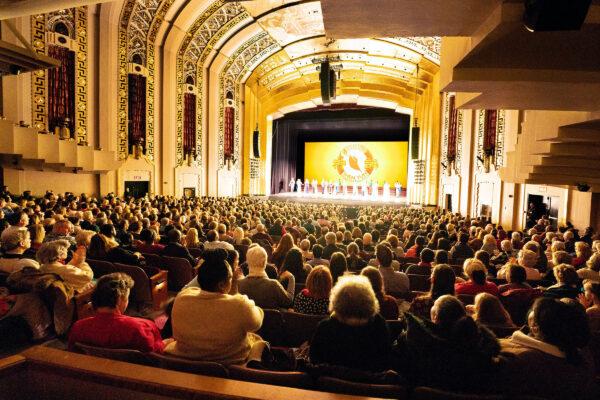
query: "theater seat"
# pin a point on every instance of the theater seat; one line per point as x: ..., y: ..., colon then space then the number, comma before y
x: 341, y: 386
x: 147, y: 288
x: 425, y: 393
x: 127, y: 355
x: 299, y: 328
x: 191, y: 366
x: 180, y: 270
x: 419, y: 283
x: 100, y: 267
x: 294, y: 379
x: 272, y: 329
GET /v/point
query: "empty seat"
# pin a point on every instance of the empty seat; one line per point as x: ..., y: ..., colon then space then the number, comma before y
x: 180, y: 272
x: 153, y: 260
x: 341, y: 386
x: 272, y: 329
x: 127, y: 355
x: 419, y: 283
x: 295, y: 379
x: 147, y: 289
x: 299, y: 328
x: 192, y: 366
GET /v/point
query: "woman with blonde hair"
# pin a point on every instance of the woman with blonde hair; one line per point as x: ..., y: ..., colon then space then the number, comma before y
x: 305, y: 248
x: 354, y: 319
x: 477, y: 282
x: 387, y: 304
x: 191, y: 239
x: 395, y: 244
x: 489, y: 245
x: 527, y: 259
x: 314, y: 298
x: 567, y: 283
x: 583, y: 253
x: 592, y: 269
x: 238, y: 235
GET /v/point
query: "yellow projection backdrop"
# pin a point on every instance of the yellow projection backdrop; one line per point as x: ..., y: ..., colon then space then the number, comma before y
x: 357, y: 161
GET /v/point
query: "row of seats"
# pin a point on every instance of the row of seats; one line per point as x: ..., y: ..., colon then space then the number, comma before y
x: 292, y: 379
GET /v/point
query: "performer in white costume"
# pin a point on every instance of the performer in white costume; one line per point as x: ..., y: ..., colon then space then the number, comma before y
x: 306, y: 186
x: 398, y: 187
x: 344, y: 187
x: 355, y: 188
x: 336, y: 187
x: 298, y: 185
x: 315, y: 185
x: 292, y: 184
x: 386, y: 190
x: 324, y: 186
x: 375, y: 189
x: 365, y: 188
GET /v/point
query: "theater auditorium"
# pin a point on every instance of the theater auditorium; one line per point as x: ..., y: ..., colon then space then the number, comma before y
x: 300, y: 199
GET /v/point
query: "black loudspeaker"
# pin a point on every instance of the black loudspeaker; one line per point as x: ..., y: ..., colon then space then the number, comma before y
x: 414, y: 142
x: 256, y: 143
x: 324, y: 77
x: 332, y: 84
x: 555, y: 15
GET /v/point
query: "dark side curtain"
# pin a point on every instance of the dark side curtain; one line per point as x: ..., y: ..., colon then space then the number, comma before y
x: 137, y: 110
x: 284, y: 157
x: 452, y: 129
x: 189, y: 123
x: 61, y: 88
x: 229, y: 131
x: 489, y: 138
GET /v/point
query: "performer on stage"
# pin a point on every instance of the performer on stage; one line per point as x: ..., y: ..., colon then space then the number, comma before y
x: 398, y: 187
x: 344, y: 187
x: 375, y: 189
x: 315, y: 185
x: 298, y: 185
x: 386, y: 190
x: 306, y: 185
x: 336, y: 186
x: 292, y: 184
x: 354, y: 188
x: 324, y: 186
x: 365, y: 188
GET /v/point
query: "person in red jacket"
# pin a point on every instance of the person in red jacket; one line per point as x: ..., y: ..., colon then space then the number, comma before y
x: 477, y: 282
x: 110, y: 328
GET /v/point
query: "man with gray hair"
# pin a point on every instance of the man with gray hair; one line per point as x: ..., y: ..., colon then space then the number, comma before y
x: 15, y: 241
x: 261, y: 234
x: 62, y: 230
x: 266, y: 293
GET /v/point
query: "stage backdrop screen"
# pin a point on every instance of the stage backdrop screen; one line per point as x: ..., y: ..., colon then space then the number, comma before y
x: 356, y: 162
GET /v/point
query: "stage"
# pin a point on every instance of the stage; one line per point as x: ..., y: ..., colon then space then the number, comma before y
x: 346, y: 200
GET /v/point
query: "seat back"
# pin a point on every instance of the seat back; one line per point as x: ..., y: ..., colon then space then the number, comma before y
x: 295, y: 379
x: 299, y: 328
x: 242, y: 249
x: 153, y: 260
x: 180, y: 272
x: 127, y: 355
x: 140, y: 292
x: 196, y: 252
x: 191, y: 366
x: 518, y: 302
x: 426, y: 393
x: 272, y: 329
x: 419, y: 283
x: 466, y: 299
x: 100, y: 267
x: 335, y: 385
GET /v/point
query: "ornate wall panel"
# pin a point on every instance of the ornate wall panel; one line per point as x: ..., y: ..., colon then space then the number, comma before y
x: 76, y: 21
x: 214, y: 22
x: 81, y: 75
x: 497, y: 160
x: 140, y: 22
x: 446, y: 120
x: 243, y: 60
x: 39, y: 106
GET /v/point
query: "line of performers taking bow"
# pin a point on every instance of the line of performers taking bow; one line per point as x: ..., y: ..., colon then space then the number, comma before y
x: 341, y: 187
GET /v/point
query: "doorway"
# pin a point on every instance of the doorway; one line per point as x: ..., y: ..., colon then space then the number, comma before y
x: 449, y: 202
x: 536, y: 208
x: 136, y: 189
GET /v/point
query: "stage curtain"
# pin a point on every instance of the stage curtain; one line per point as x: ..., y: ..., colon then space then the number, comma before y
x: 489, y: 138
x: 137, y: 111
x: 229, y: 127
x: 61, y: 88
x: 189, y: 123
x: 452, y: 129
x: 284, y: 157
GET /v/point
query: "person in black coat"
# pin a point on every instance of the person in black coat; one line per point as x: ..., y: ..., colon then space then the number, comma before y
x: 355, y: 335
x: 174, y: 248
x: 461, y: 250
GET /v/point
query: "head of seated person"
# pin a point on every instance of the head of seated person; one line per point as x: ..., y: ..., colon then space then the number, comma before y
x: 441, y: 257
x: 15, y: 240
x: 317, y: 251
x: 483, y: 256
x: 488, y: 310
x: 384, y: 256
x: 561, y: 257
x: 215, y: 274
x: 148, y: 236
x: 337, y: 265
x: 427, y: 256
x: 516, y: 275
x: 566, y: 275
x: 353, y: 301
x: 256, y: 257
x: 112, y: 293
x: 475, y: 271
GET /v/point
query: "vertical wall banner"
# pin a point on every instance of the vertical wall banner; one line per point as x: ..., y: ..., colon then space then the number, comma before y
x: 39, y: 109
x: 81, y: 75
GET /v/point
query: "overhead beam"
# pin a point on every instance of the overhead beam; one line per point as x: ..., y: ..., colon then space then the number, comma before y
x: 21, y: 8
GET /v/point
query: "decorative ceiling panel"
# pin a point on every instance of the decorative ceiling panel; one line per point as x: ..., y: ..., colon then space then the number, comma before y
x: 294, y: 23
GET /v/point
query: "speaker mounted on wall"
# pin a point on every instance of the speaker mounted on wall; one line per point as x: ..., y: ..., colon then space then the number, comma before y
x: 256, y: 143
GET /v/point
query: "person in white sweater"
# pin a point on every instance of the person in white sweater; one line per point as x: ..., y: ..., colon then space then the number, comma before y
x: 211, y: 325
x: 15, y: 241
x: 77, y: 274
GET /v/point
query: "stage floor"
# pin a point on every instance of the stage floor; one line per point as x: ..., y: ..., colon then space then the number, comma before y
x: 348, y: 200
